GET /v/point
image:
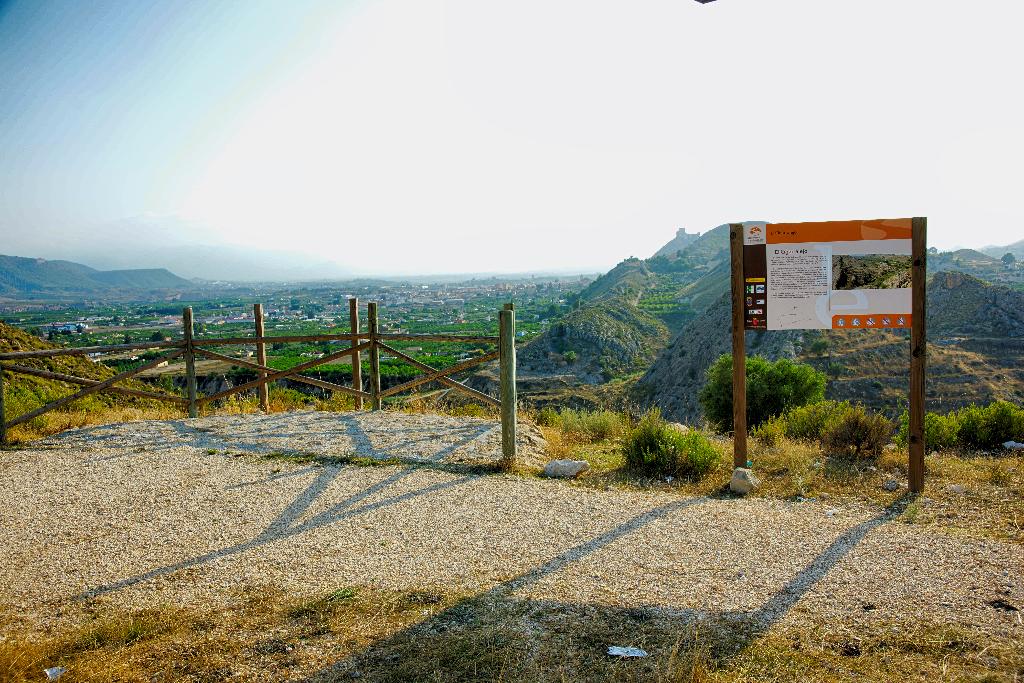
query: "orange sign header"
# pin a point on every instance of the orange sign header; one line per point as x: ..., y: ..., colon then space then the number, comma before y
x: 839, y: 231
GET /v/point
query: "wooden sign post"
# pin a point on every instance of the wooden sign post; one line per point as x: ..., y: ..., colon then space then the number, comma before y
x: 739, y: 352
x: 918, y: 352
x: 782, y: 279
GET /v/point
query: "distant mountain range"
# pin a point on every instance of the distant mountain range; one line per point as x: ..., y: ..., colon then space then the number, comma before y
x: 185, y: 248
x: 1017, y: 249
x: 36, y: 276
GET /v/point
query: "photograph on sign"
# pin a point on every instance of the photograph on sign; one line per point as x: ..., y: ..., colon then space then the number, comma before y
x: 828, y: 275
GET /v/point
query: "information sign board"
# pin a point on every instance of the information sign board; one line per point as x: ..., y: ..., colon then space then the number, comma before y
x: 850, y: 275
x: 828, y: 275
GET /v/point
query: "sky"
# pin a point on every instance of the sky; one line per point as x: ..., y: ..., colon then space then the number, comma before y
x: 448, y: 136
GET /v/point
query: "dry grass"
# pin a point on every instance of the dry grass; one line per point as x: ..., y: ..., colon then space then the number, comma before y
x: 452, y: 407
x: 373, y: 635
x: 923, y: 652
x: 58, y: 421
x: 263, y: 631
x: 88, y: 413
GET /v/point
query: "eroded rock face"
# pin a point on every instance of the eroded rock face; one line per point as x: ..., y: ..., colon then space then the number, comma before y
x: 959, y: 303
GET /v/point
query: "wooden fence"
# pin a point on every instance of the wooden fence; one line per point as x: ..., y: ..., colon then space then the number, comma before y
x: 372, y: 342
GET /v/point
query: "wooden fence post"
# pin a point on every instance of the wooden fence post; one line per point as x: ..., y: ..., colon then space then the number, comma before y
x: 507, y: 363
x: 356, y: 358
x: 261, y: 357
x: 190, y: 361
x: 918, y: 352
x: 3, y: 413
x: 739, y: 357
x: 371, y: 323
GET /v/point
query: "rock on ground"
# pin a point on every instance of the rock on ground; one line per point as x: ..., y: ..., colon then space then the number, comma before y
x: 565, y: 469
x: 743, y: 481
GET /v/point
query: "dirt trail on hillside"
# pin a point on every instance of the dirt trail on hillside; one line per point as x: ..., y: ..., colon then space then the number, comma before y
x: 146, y: 513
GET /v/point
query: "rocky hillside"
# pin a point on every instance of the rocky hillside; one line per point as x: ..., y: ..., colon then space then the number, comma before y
x: 959, y: 304
x: 678, y: 243
x: 674, y: 380
x: 596, y: 343
x: 629, y: 280
x: 982, y: 265
x: 24, y: 392
x: 975, y: 353
x: 624, y: 319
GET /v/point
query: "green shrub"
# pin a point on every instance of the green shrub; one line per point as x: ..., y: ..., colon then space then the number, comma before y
x: 970, y: 419
x: 770, y: 432
x: 971, y: 427
x: 940, y: 431
x: 807, y: 423
x: 858, y: 433
x: 570, y: 357
x: 991, y: 425
x: 547, y: 417
x: 772, y: 389
x: 654, y: 448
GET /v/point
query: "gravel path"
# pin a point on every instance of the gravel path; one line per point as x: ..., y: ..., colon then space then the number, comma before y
x: 142, y: 513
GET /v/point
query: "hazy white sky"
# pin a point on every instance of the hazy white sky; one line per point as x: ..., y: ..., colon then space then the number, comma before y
x: 471, y: 135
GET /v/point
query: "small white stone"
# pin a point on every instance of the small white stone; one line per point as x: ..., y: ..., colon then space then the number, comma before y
x: 743, y: 481
x: 565, y: 469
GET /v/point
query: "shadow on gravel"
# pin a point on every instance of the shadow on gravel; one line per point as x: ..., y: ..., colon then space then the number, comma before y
x: 498, y: 636
x: 290, y: 521
x: 287, y: 523
x: 331, y: 436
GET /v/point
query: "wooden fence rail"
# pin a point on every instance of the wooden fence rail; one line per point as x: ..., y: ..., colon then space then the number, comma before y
x: 372, y: 342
